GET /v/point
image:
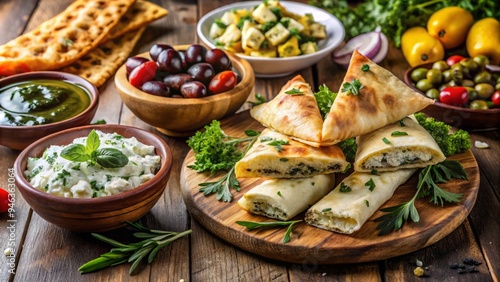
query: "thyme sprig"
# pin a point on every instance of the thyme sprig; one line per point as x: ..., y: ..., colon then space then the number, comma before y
x: 152, y: 242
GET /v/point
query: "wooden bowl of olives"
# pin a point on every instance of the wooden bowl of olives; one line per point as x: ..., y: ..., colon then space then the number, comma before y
x: 180, y: 89
x: 36, y: 104
x: 466, y: 91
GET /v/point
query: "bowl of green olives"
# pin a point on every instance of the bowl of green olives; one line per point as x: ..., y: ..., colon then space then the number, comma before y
x: 466, y: 91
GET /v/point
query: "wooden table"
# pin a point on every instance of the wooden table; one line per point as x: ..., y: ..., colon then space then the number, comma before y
x: 45, y: 252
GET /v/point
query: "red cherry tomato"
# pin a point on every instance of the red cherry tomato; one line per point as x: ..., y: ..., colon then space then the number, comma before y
x: 144, y: 72
x: 222, y: 82
x: 454, y: 59
x: 4, y: 200
x: 495, y: 98
x: 455, y: 96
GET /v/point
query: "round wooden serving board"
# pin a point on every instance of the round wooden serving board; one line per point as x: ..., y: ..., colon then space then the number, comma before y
x: 313, y: 245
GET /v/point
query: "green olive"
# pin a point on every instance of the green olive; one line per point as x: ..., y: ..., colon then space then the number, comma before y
x: 468, y: 82
x: 432, y: 93
x: 472, y: 93
x: 418, y: 74
x: 447, y: 76
x: 470, y: 64
x: 497, y: 87
x: 440, y: 65
x: 449, y: 84
x: 434, y: 76
x: 478, y: 105
x: 424, y: 85
x: 482, y: 77
x: 481, y: 60
x: 484, y: 90
x: 457, y: 73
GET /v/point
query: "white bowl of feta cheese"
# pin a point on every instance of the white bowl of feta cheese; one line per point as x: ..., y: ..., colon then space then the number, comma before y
x: 94, y: 178
x: 225, y: 28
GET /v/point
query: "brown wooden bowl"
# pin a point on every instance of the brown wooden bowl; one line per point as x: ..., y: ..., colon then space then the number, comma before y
x: 94, y: 214
x: 459, y: 117
x: 19, y: 137
x: 183, y: 116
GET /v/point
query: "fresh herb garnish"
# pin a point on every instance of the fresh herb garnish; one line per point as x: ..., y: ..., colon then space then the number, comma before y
x: 215, y: 151
x: 151, y: 242
x: 250, y: 225
x: 279, y: 193
x: 371, y: 185
x: 367, y: 203
x: 220, y: 24
x: 105, y: 157
x: 260, y: 100
x: 99, y: 121
x: 352, y: 87
x: 326, y: 210
x: 349, y: 148
x: 365, y: 67
x: 295, y: 32
x: 386, y: 141
x: 344, y: 188
x: 294, y: 91
x: 427, y: 185
x: 399, y: 133
x: 324, y: 98
x: 283, y: 160
x: 278, y: 144
x: 374, y: 172
x: 66, y: 41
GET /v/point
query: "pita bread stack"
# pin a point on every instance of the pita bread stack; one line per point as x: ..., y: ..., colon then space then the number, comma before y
x: 380, y: 105
x: 90, y: 38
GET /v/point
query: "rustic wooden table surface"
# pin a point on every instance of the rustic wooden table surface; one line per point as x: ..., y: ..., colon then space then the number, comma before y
x: 45, y: 252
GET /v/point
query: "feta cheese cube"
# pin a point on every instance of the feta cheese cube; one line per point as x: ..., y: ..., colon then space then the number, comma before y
x: 263, y: 14
x: 278, y: 34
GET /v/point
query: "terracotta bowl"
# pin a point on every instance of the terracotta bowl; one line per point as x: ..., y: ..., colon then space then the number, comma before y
x: 465, y: 118
x: 94, y: 214
x: 19, y: 137
x: 183, y: 116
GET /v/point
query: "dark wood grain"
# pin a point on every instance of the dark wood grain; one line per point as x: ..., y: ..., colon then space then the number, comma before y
x: 324, y: 246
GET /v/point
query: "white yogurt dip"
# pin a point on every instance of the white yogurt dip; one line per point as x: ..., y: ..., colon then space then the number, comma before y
x: 58, y: 176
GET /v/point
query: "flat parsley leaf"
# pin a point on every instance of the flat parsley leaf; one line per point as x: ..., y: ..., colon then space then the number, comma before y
x: 396, y: 216
x: 352, y: 87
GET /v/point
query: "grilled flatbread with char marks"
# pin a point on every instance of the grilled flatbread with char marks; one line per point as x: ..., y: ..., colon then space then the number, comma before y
x: 63, y: 39
x: 293, y: 160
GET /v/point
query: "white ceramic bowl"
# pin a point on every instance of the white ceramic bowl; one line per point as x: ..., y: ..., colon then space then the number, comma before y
x: 276, y: 67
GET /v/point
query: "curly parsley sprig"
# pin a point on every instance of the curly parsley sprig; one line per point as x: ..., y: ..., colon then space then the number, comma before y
x: 215, y: 151
x: 428, y: 178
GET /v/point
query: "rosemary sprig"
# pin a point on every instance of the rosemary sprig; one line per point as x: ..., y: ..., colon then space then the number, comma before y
x: 153, y: 241
x: 251, y: 225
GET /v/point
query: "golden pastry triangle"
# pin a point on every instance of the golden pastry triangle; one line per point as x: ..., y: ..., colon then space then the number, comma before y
x: 383, y: 98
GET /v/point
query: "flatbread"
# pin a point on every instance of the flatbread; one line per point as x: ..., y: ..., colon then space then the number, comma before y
x: 140, y: 14
x: 63, y: 39
x: 295, y: 115
x: 383, y: 99
x: 102, y: 62
x: 417, y: 149
x: 294, y: 160
x: 283, y: 199
x: 346, y: 212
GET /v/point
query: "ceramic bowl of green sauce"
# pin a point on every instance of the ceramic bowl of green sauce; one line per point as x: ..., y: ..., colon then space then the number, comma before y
x: 36, y: 104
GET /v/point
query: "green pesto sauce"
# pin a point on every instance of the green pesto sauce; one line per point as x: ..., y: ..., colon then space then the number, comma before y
x: 41, y: 101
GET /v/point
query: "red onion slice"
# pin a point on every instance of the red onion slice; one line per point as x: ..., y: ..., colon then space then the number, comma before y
x: 374, y: 45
